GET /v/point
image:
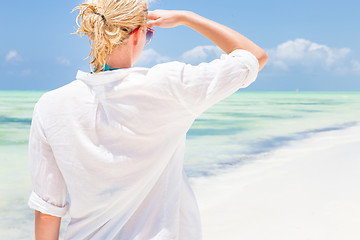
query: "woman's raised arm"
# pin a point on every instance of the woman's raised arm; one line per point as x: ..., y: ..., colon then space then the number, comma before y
x: 225, y: 38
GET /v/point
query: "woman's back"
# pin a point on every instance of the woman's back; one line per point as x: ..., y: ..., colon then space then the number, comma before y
x: 118, y: 139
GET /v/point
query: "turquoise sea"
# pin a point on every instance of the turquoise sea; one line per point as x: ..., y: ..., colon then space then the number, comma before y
x: 241, y: 128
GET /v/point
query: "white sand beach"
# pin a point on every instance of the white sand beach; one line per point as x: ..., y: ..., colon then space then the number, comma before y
x: 309, y: 190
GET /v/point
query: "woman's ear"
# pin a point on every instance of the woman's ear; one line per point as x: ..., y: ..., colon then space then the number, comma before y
x: 137, y: 36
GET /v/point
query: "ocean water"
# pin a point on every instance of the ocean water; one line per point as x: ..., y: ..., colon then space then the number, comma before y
x: 238, y: 130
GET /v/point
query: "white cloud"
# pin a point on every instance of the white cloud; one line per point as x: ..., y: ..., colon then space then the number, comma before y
x: 355, y: 66
x: 194, y: 56
x: 26, y: 72
x: 12, y: 56
x: 280, y: 65
x: 150, y: 58
x: 63, y: 61
x: 297, y: 56
x: 308, y: 55
x: 201, y: 54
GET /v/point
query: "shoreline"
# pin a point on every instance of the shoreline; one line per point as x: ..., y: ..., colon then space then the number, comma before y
x: 306, y: 190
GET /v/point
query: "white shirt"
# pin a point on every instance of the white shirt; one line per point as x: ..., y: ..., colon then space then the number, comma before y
x: 114, y: 141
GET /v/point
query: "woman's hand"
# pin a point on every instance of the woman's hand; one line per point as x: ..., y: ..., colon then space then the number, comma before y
x: 166, y: 18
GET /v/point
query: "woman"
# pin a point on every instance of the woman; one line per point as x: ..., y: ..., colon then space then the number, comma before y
x: 112, y: 141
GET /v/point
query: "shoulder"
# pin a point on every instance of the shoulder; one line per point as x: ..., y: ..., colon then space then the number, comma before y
x: 58, y: 97
x: 165, y: 73
x: 164, y: 68
x: 231, y: 61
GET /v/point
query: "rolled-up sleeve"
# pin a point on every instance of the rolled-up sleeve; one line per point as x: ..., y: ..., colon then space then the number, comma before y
x: 49, y: 190
x: 204, y: 85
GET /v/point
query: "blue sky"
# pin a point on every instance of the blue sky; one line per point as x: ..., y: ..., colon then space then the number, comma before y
x: 313, y: 45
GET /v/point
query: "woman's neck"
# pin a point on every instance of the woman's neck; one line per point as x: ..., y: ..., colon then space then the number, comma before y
x: 120, y: 58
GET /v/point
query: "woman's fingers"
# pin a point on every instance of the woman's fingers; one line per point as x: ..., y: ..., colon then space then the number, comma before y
x: 153, y: 23
x: 152, y: 15
x: 153, y: 19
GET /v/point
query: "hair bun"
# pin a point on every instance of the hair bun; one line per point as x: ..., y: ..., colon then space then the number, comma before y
x: 102, y: 16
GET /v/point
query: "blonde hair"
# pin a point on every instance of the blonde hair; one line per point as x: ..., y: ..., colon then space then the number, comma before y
x: 108, y: 23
